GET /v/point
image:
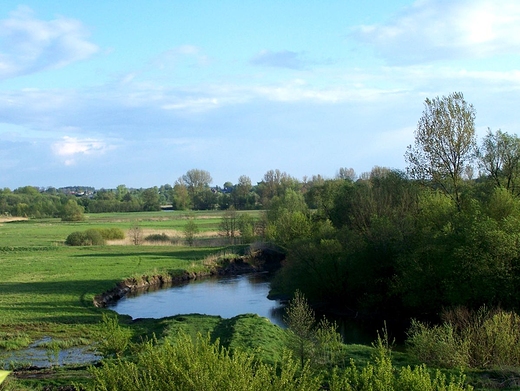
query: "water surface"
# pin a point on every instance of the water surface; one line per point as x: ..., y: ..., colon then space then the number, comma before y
x: 227, y: 297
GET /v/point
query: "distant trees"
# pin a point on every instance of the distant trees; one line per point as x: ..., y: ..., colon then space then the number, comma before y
x: 346, y: 173
x: 181, y: 197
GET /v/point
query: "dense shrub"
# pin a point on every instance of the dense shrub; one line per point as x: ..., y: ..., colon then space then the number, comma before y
x: 477, y: 339
x: 185, y: 364
x: 158, y: 238
x: 200, y: 365
x: 90, y: 237
x: 384, y: 376
x: 111, y: 233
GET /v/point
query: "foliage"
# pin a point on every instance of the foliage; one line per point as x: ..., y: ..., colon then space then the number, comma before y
x: 229, y: 225
x: 300, y: 321
x: 199, y: 365
x: 72, y: 211
x: 499, y: 157
x: 196, y: 363
x: 190, y: 230
x: 382, y: 375
x: 288, y: 219
x: 315, y: 343
x: 90, y: 237
x: 111, y: 233
x: 113, y: 340
x: 158, y: 238
x: 151, y: 199
x: 470, y: 339
x: 444, y: 143
x: 247, y: 227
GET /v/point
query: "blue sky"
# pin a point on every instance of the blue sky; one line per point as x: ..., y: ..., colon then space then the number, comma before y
x: 102, y: 93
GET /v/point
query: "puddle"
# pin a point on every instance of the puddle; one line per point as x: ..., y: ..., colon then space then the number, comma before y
x: 43, y: 357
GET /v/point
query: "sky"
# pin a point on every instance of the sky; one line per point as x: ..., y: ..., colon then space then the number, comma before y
x: 103, y: 93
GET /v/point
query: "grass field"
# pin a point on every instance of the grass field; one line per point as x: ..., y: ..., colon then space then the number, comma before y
x: 47, y: 286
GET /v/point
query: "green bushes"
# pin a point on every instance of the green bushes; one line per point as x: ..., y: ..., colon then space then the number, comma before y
x: 111, y: 233
x: 94, y: 236
x: 114, y: 339
x: 90, y: 237
x: 481, y: 339
x: 186, y: 364
x: 198, y: 365
x: 159, y: 238
x: 382, y: 375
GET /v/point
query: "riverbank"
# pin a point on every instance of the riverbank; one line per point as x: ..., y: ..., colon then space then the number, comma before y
x: 255, y: 258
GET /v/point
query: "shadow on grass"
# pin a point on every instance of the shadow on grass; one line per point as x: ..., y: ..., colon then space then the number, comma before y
x: 53, y: 301
x: 187, y: 255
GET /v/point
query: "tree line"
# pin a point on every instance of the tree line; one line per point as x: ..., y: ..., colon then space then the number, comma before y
x: 191, y: 191
x: 397, y: 244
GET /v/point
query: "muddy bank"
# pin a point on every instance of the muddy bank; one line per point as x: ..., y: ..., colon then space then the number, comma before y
x: 259, y: 260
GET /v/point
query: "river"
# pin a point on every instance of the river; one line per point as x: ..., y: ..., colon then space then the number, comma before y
x: 227, y: 297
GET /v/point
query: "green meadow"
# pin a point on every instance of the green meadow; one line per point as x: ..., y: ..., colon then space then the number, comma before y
x: 47, y: 287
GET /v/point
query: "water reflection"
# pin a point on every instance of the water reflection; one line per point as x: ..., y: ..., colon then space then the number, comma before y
x: 39, y: 356
x: 224, y: 296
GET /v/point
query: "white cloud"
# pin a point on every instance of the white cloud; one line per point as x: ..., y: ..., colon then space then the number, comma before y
x: 70, y: 148
x: 29, y: 45
x: 446, y: 29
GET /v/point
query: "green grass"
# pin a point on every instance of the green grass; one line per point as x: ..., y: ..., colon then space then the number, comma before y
x: 53, y: 232
x: 47, y: 287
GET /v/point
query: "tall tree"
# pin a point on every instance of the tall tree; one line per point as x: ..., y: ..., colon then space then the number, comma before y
x: 241, y: 192
x: 444, y: 143
x: 197, y: 183
x: 346, y: 173
x: 151, y: 200
x: 181, y: 198
x: 197, y: 180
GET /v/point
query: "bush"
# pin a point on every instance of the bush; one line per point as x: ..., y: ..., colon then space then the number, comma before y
x: 158, y: 238
x: 481, y: 339
x: 383, y: 375
x: 113, y: 339
x: 199, y: 365
x: 111, y: 233
x: 71, y: 211
x: 90, y: 237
